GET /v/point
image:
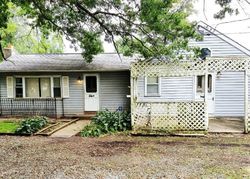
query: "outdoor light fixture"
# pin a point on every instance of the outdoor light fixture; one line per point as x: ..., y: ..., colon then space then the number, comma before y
x: 79, y: 79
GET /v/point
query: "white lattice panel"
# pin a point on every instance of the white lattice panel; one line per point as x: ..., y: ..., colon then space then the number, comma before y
x: 188, y: 68
x: 170, y: 116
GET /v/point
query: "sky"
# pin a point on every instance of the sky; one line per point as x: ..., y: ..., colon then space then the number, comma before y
x: 204, y: 10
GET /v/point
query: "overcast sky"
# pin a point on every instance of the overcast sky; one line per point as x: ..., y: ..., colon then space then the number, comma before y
x: 239, y: 31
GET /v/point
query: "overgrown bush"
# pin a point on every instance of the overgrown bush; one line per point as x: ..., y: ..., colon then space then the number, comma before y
x: 107, y: 122
x: 32, y: 125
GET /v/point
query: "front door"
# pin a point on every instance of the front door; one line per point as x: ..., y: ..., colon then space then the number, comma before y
x: 91, y: 84
x: 200, y: 91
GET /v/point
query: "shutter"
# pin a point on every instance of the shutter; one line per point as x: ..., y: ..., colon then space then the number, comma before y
x: 65, y: 86
x: 10, y: 86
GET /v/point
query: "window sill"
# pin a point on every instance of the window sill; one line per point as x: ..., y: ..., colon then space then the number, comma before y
x: 152, y: 95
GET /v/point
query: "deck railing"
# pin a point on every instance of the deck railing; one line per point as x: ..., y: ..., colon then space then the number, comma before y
x: 170, y: 116
x: 28, y: 106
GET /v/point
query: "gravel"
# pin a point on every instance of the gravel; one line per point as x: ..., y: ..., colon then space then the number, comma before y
x: 219, y: 156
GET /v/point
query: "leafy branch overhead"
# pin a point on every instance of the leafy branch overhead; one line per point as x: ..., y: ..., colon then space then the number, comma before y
x: 152, y: 28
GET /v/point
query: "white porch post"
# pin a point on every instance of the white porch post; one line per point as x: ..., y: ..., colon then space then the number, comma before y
x: 246, y: 101
x: 205, y: 99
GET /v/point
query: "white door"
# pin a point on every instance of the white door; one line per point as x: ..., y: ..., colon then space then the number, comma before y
x: 91, y: 86
x: 200, y: 91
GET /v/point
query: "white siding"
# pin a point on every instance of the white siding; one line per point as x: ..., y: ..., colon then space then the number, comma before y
x: 172, y: 88
x: 229, y: 94
x: 218, y: 47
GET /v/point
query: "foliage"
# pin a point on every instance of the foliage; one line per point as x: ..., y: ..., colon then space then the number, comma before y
x: 107, y: 122
x: 152, y: 28
x: 27, y: 39
x: 226, y: 8
x: 8, y: 126
x: 32, y: 125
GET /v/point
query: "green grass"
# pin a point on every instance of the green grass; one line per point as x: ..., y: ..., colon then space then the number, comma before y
x: 8, y: 126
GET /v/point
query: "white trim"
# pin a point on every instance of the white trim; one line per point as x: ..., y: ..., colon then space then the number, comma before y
x: 145, y: 87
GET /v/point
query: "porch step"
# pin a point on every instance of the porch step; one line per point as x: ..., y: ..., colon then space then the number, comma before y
x: 90, y: 113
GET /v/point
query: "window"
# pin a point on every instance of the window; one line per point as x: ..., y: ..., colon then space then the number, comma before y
x: 152, y: 86
x: 200, y: 85
x: 91, y: 84
x: 38, y: 87
x: 200, y: 88
x: 57, y: 87
x: 19, y: 88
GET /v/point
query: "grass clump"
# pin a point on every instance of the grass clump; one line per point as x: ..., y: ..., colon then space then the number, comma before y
x: 107, y: 122
x: 8, y: 126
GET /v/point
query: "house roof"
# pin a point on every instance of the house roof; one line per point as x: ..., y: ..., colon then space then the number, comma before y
x: 64, y: 62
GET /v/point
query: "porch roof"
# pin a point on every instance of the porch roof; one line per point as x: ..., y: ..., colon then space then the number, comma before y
x: 64, y: 62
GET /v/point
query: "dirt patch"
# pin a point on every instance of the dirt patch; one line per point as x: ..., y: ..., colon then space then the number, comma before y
x: 110, y: 148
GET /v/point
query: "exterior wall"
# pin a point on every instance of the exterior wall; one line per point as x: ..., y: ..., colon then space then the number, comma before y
x: 113, y: 91
x: 229, y: 94
x: 218, y: 47
x: 172, y: 88
x: 114, y: 88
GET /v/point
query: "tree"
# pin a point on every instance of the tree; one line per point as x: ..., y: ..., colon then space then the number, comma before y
x: 25, y: 38
x: 227, y: 8
x: 152, y: 28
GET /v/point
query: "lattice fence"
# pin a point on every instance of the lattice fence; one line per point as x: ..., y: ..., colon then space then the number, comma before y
x: 170, y: 116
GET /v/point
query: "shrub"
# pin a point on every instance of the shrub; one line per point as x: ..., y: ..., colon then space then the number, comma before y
x: 32, y: 125
x: 107, y: 122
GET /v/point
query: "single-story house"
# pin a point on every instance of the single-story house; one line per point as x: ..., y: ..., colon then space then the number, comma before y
x: 65, y: 85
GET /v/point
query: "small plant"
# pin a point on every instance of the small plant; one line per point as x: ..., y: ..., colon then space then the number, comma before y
x: 32, y: 125
x: 107, y: 122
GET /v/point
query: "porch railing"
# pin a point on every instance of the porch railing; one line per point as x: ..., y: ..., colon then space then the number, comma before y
x: 28, y: 106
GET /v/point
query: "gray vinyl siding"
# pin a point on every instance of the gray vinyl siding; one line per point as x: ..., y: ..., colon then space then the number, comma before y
x: 113, y: 91
x: 114, y: 88
x: 218, y: 47
x: 229, y: 94
x: 172, y: 88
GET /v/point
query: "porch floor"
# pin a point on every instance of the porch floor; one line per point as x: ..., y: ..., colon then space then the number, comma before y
x: 226, y: 125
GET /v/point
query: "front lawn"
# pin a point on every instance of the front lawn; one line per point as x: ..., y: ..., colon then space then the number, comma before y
x: 8, y: 126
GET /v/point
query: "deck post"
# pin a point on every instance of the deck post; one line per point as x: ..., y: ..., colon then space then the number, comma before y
x: 205, y: 99
x: 246, y: 101
x: 132, y: 81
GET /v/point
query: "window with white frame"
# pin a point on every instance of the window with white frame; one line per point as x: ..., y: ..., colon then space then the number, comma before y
x: 152, y: 86
x: 37, y: 87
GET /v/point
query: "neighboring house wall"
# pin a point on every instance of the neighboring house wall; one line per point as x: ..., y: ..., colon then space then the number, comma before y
x: 218, y: 47
x: 113, y: 91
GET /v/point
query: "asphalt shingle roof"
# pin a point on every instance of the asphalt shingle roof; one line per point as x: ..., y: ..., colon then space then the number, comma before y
x: 64, y: 62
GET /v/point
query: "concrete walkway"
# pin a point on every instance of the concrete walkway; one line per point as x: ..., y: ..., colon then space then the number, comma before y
x: 71, y: 129
x: 226, y: 125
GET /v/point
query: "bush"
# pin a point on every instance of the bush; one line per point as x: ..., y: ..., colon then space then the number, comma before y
x: 107, y: 122
x: 32, y: 125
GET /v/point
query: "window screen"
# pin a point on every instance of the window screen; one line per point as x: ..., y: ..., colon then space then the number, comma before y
x: 19, y: 87
x: 57, y: 87
x: 91, y: 84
